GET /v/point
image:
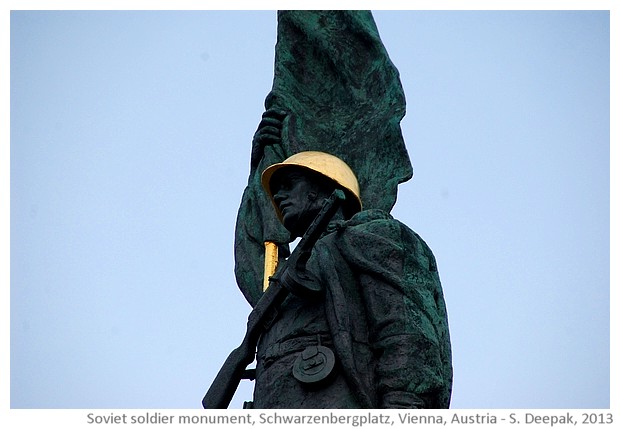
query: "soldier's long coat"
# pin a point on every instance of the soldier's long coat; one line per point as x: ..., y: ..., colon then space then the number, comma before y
x: 385, y: 313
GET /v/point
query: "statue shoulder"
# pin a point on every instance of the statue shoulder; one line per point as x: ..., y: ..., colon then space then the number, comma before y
x: 374, y: 237
x: 378, y: 224
x: 371, y: 221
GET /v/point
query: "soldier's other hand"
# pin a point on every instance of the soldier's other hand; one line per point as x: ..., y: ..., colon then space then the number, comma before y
x: 269, y: 132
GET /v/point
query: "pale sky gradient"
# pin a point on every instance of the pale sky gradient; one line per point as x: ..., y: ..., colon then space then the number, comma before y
x: 130, y: 143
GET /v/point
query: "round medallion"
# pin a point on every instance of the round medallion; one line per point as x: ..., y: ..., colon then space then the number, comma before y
x: 314, y: 365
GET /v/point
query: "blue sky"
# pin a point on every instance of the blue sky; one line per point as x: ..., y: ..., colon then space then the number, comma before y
x: 130, y: 143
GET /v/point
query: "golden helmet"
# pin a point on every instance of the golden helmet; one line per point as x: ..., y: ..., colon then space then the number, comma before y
x: 325, y: 164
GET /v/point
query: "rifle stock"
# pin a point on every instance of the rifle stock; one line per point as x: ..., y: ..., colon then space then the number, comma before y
x: 227, y: 381
x: 230, y: 374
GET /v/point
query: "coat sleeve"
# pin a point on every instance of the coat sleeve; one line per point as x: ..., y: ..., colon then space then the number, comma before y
x: 407, y: 322
x: 257, y: 223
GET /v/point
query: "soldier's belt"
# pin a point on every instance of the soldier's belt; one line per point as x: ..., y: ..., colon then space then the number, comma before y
x: 294, y: 345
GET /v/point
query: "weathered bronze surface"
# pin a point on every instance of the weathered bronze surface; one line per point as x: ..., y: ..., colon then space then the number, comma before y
x: 375, y: 333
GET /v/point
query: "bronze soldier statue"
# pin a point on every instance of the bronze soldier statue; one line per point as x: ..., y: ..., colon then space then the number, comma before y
x: 355, y: 317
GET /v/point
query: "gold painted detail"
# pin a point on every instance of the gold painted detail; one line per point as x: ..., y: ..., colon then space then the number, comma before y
x: 271, y: 262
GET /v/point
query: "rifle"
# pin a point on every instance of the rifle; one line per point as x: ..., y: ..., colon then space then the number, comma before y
x: 289, y: 278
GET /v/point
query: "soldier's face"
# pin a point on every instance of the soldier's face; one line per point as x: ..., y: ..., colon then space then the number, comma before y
x: 298, y: 197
